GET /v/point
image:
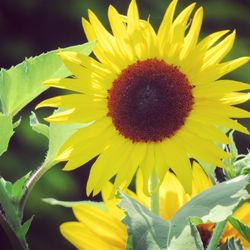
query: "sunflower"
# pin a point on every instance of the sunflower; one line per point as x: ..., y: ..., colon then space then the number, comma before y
x: 152, y: 100
x: 103, y: 229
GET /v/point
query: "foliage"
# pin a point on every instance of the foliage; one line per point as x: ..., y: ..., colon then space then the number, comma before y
x: 213, y: 205
x: 18, y: 86
x: 22, y: 83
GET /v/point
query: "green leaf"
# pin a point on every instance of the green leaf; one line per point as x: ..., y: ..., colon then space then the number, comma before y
x: 17, y: 188
x: 17, y: 123
x: 37, y: 126
x: 195, y: 233
x: 213, y: 205
x: 58, y: 134
x: 217, y: 232
x: 208, y: 168
x: 232, y: 147
x: 6, y: 131
x: 70, y: 204
x: 9, y: 233
x: 244, y: 230
x: 22, y: 231
x: 245, y: 170
x: 21, y: 84
x: 231, y: 245
x: 9, y: 208
x: 10, y: 195
x: 195, y: 220
x: 216, y: 203
x: 129, y: 243
x: 243, y: 164
x: 230, y: 169
x: 149, y: 231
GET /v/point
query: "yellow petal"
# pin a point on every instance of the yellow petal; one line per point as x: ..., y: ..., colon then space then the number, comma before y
x: 78, y: 101
x: 201, y: 149
x: 147, y: 166
x: 101, y: 171
x: 172, y: 196
x: 82, y: 238
x: 166, y: 25
x: 222, y: 121
x: 133, y: 17
x: 102, y: 54
x: 177, y: 159
x: 85, y: 134
x: 235, y: 98
x: 87, y: 86
x: 120, y: 33
x: 217, y: 71
x: 218, y: 52
x: 132, y: 164
x: 88, y: 151
x: 218, y: 88
x: 193, y: 33
x: 74, y: 115
x: 194, y: 60
x: 212, y: 107
x: 106, y: 227
x: 201, y: 182
x: 206, y: 131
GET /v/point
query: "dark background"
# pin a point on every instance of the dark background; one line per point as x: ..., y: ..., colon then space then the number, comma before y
x: 30, y: 27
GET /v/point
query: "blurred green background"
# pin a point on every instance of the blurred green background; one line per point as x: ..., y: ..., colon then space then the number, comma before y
x: 28, y: 28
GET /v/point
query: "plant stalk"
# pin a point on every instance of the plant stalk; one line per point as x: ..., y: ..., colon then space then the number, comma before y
x: 155, y: 198
x: 30, y: 183
x: 215, y: 239
x: 13, y: 240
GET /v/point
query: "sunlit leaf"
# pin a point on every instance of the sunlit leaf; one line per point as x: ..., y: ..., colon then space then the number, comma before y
x: 6, y: 131
x: 232, y: 147
x: 213, y: 205
x: 10, y: 211
x: 195, y: 233
x: 70, y: 204
x: 17, y: 188
x: 10, y: 194
x: 37, y: 126
x: 58, y: 134
x: 21, y: 84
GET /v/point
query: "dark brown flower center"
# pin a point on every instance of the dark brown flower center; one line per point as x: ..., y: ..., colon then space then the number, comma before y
x: 149, y: 101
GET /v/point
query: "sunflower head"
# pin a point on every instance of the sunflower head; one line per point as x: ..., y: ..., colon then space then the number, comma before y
x: 103, y: 229
x: 152, y: 99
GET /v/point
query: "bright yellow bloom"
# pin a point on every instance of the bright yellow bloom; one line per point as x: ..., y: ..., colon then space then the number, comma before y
x: 153, y: 99
x: 97, y: 229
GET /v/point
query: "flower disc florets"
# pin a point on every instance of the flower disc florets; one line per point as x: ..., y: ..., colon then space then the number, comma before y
x: 149, y: 101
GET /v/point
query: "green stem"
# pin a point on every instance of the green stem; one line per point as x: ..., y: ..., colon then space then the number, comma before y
x: 14, y: 241
x: 33, y: 179
x: 154, y: 199
x: 214, y: 241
